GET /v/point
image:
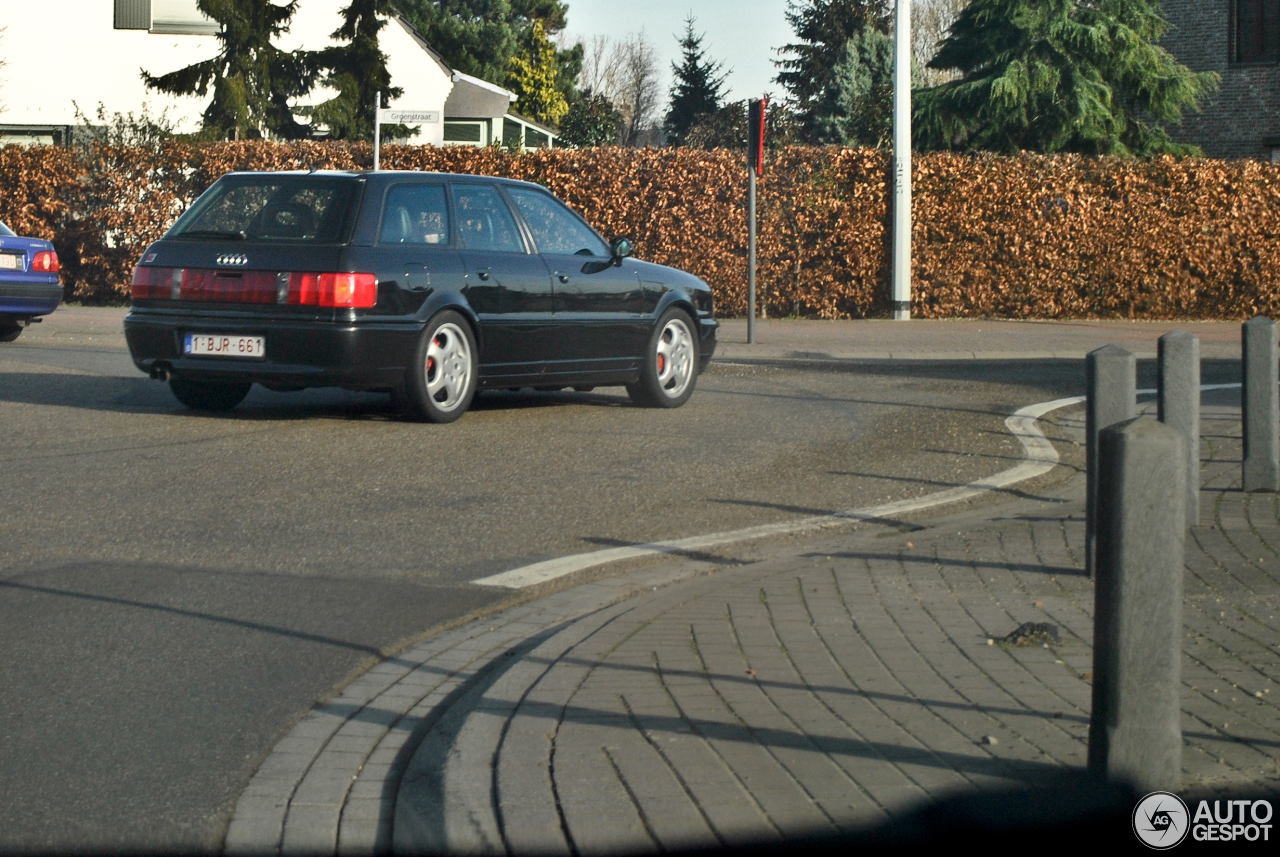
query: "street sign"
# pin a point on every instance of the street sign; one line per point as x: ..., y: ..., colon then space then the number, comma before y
x: 397, y: 117
x: 410, y: 117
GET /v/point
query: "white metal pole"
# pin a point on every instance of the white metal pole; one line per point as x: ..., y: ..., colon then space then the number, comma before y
x: 751, y: 253
x: 377, y: 131
x: 902, y: 161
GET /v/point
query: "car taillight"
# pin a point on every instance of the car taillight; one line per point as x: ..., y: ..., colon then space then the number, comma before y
x: 348, y: 290
x: 304, y: 289
x: 155, y: 283
x: 46, y: 261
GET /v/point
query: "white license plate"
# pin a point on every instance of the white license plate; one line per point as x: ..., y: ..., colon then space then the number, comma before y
x: 218, y: 345
x: 10, y: 262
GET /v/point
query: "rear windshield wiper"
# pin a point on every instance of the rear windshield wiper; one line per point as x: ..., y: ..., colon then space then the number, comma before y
x: 212, y: 233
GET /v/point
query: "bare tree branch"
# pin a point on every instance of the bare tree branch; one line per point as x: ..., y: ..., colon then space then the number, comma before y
x: 635, y: 87
x: 931, y: 20
x: 599, y: 65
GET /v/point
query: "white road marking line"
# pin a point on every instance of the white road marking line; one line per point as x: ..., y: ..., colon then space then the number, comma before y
x: 1041, y: 457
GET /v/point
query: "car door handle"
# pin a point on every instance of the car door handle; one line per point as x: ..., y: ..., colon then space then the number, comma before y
x: 564, y: 278
x: 484, y: 275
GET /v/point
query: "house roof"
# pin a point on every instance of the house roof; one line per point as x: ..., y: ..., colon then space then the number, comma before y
x: 474, y: 98
x: 422, y: 42
x: 471, y: 97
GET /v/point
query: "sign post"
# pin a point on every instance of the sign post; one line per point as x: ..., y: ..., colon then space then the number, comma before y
x: 902, y: 161
x: 755, y: 167
x: 397, y: 117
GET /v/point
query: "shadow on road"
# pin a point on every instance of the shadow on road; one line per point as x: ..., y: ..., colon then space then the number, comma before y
x: 143, y: 395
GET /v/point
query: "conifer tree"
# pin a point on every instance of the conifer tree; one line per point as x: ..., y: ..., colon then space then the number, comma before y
x: 532, y: 76
x: 1059, y: 76
x: 358, y: 71
x: 252, y: 80
x: 696, y: 91
x: 857, y: 107
x: 822, y: 29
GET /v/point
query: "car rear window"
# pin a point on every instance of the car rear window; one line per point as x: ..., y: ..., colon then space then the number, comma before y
x: 7, y: 232
x: 302, y: 209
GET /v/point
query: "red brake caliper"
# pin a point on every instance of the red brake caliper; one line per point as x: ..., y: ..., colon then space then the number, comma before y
x: 662, y: 363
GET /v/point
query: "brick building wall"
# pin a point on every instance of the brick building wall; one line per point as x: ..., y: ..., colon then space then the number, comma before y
x: 1241, y: 119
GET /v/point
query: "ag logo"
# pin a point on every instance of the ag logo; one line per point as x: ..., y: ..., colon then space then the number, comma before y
x: 232, y: 260
x: 1160, y: 820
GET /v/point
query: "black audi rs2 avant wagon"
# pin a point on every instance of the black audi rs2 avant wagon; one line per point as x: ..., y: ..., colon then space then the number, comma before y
x: 425, y: 285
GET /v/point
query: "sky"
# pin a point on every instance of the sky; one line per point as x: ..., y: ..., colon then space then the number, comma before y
x: 740, y: 34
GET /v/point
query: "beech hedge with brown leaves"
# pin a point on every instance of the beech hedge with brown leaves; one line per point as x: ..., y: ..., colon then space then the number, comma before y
x: 1020, y: 237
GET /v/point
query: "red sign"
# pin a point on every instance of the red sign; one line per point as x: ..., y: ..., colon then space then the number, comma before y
x: 755, y: 123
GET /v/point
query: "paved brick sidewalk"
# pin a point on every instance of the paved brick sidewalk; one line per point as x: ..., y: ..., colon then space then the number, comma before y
x: 824, y: 689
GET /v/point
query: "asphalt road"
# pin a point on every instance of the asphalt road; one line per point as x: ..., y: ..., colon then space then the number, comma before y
x: 177, y: 589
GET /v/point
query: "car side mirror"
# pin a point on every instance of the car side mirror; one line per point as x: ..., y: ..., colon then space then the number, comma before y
x: 621, y: 248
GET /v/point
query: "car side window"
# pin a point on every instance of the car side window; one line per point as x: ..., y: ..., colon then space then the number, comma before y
x: 415, y: 214
x: 555, y: 228
x: 484, y: 221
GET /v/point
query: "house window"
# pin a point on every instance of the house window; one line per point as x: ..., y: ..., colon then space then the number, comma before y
x: 535, y: 139
x: 464, y: 132
x: 1256, y: 31
x: 133, y: 15
x: 512, y: 133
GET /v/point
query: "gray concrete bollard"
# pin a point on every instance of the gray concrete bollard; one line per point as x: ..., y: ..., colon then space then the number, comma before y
x: 1135, y: 729
x: 1111, y: 385
x: 1260, y: 398
x: 1179, y: 404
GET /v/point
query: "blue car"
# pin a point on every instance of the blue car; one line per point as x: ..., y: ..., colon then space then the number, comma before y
x: 29, y: 286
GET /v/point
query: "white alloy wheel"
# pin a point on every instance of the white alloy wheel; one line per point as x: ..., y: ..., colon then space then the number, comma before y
x: 448, y: 369
x: 675, y: 358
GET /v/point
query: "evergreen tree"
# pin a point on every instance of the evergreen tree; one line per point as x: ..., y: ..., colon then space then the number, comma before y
x: 479, y: 37
x: 857, y: 107
x: 696, y: 91
x: 533, y: 76
x: 1059, y: 75
x: 252, y: 80
x: 358, y: 71
x: 822, y: 28
x: 592, y: 120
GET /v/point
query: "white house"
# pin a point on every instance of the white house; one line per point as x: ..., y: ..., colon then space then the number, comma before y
x: 58, y: 54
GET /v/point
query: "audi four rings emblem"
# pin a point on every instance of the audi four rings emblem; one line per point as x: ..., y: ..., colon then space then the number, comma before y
x: 236, y: 260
